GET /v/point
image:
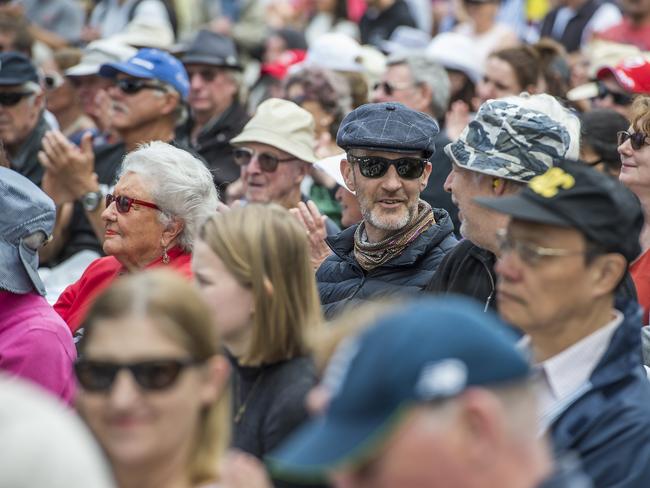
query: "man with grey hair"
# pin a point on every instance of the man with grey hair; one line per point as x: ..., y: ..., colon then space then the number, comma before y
x: 423, y: 85
x: 22, y: 124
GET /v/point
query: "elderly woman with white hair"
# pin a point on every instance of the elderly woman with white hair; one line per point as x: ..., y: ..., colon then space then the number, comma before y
x: 161, y: 198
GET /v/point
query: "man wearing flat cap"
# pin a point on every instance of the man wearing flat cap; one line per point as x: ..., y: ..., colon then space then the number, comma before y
x: 401, y: 240
x: 214, y: 72
x: 571, y: 234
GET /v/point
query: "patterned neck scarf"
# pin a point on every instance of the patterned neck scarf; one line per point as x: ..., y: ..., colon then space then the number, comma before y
x: 371, y: 255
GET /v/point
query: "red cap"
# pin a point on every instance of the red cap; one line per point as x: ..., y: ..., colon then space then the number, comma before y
x: 633, y: 75
x: 279, y: 68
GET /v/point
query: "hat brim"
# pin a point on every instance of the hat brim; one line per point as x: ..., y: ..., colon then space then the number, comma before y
x: 275, y: 140
x: 83, y: 70
x: 110, y: 70
x: 482, y: 162
x: 522, y: 208
x: 209, y: 60
x: 583, y: 92
x: 331, y: 166
x: 18, y: 275
x: 325, y: 444
x: 14, y: 81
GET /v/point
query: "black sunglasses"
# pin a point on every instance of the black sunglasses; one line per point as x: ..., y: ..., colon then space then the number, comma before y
x: 123, y: 204
x: 618, y: 98
x: 9, y: 99
x: 131, y: 86
x: 206, y: 74
x: 637, y: 139
x: 376, y: 167
x: 390, y: 88
x: 156, y: 374
x: 268, y: 162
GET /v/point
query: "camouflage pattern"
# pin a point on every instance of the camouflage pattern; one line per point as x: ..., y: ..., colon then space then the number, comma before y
x: 510, y: 141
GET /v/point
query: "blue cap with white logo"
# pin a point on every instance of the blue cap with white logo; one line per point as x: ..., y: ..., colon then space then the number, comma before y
x: 152, y: 64
x: 427, y: 350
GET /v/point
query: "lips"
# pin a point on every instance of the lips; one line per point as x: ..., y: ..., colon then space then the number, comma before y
x: 109, y: 233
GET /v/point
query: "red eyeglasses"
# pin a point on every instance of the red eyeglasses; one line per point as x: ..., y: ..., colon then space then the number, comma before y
x: 123, y: 204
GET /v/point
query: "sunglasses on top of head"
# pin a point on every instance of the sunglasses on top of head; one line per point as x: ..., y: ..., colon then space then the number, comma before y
x: 268, y: 162
x: 408, y: 168
x: 123, y: 204
x: 158, y: 374
x: 131, y: 86
x: 10, y: 99
x: 637, y: 139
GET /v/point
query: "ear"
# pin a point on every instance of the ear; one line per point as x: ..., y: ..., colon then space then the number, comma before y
x: 424, y: 179
x: 483, y: 422
x: 217, y: 373
x: 170, y: 101
x: 607, y: 271
x: 171, y: 232
x: 347, y: 171
x: 498, y: 186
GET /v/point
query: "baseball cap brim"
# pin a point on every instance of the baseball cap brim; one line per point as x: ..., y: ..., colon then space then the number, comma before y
x: 583, y: 92
x: 110, y: 70
x: 325, y: 443
x: 520, y: 207
x: 272, y: 139
x: 83, y: 70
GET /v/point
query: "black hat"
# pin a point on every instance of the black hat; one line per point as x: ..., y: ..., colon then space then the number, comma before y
x: 16, y: 69
x: 389, y: 127
x: 571, y: 194
x: 213, y: 49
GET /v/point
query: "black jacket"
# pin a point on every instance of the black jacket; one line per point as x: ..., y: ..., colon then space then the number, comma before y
x: 213, y: 143
x: 342, y: 281
x: 377, y: 26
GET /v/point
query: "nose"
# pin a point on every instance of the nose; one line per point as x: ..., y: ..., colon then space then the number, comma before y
x: 125, y: 391
x: 196, y: 81
x: 625, y: 149
x: 109, y: 213
x: 449, y: 181
x: 391, y: 181
x: 253, y: 167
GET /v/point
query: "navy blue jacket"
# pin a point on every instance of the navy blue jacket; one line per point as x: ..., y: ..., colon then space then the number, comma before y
x: 608, y: 423
x: 342, y: 281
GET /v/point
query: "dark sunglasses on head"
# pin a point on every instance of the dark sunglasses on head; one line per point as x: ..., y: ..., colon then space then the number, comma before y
x: 123, y: 204
x: 268, y: 162
x: 156, y: 374
x: 637, y: 139
x: 618, y: 98
x: 390, y: 88
x: 9, y: 99
x: 131, y: 86
x: 376, y: 167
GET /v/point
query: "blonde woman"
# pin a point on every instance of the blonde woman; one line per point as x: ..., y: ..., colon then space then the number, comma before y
x: 152, y: 383
x: 253, y: 268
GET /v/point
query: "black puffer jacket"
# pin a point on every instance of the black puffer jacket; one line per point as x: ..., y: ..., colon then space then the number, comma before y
x: 342, y: 281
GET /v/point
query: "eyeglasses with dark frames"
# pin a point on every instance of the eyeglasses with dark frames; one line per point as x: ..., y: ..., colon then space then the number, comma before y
x: 637, y: 139
x: 530, y: 253
x: 206, y: 74
x: 268, y: 162
x: 154, y: 375
x: 408, y: 168
x: 390, y: 88
x: 11, y: 99
x: 131, y: 86
x: 123, y: 204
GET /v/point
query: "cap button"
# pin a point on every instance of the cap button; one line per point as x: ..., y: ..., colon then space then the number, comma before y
x: 391, y: 107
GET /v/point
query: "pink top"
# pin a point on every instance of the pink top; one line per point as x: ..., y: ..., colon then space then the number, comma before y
x: 36, y: 344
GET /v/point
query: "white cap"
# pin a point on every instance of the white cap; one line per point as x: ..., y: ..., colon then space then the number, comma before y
x: 331, y: 166
x: 405, y: 39
x: 456, y: 51
x: 98, y: 53
x: 43, y: 443
x: 334, y: 51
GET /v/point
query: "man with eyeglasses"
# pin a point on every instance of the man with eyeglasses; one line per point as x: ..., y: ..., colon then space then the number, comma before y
x: 147, y: 95
x: 510, y: 141
x: 215, y: 72
x: 22, y: 125
x: 401, y: 240
x: 571, y: 234
x: 423, y: 85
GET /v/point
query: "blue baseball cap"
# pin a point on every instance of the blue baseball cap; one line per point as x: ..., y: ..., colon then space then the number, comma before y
x: 152, y: 64
x: 429, y: 349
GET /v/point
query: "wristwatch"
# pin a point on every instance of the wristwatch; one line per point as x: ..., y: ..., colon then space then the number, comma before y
x: 90, y: 201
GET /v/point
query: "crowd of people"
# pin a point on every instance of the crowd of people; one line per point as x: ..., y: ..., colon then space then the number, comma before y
x: 339, y: 243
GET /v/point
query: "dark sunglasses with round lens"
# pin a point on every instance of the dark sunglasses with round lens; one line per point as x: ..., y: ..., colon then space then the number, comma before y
x: 376, y: 167
x: 268, y: 162
x: 637, y: 139
x: 131, y: 86
x: 157, y: 374
x: 10, y: 99
x: 123, y: 204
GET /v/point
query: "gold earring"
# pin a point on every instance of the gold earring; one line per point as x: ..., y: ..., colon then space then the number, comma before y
x: 165, y: 256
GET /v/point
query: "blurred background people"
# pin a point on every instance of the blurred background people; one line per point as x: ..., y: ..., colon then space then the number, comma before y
x: 153, y: 383
x: 633, y: 28
x: 599, y: 130
x: 381, y: 18
x: 161, y: 198
x: 253, y: 269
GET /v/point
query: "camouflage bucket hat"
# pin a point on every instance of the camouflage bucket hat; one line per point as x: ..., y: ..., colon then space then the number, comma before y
x: 511, y: 140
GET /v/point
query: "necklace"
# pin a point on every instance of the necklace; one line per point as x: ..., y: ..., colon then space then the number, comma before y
x: 241, y: 411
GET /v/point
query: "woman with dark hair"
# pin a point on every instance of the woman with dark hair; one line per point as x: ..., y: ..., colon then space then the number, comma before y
x: 598, y: 141
x: 330, y: 16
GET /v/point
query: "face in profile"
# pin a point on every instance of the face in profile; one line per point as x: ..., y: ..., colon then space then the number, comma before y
x: 152, y: 416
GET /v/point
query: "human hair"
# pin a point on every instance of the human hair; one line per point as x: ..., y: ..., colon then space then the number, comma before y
x: 641, y: 114
x: 598, y: 130
x: 266, y: 250
x: 175, y: 307
x: 525, y: 62
x: 358, y: 84
x: 328, y: 89
x: 19, y: 27
x: 554, y: 67
x: 426, y: 71
x: 180, y: 184
x: 67, y: 57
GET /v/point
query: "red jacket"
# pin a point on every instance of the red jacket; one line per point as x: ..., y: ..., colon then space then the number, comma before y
x: 77, y: 298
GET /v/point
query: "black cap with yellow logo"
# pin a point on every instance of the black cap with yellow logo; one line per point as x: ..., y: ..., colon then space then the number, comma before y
x: 571, y: 194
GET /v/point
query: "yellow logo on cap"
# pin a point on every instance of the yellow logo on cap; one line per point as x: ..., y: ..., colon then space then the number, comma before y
x: 549, y: 184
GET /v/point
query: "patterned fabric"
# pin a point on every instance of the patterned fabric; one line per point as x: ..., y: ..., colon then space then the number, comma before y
x: 510, y: 141
x: 371, y: 255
